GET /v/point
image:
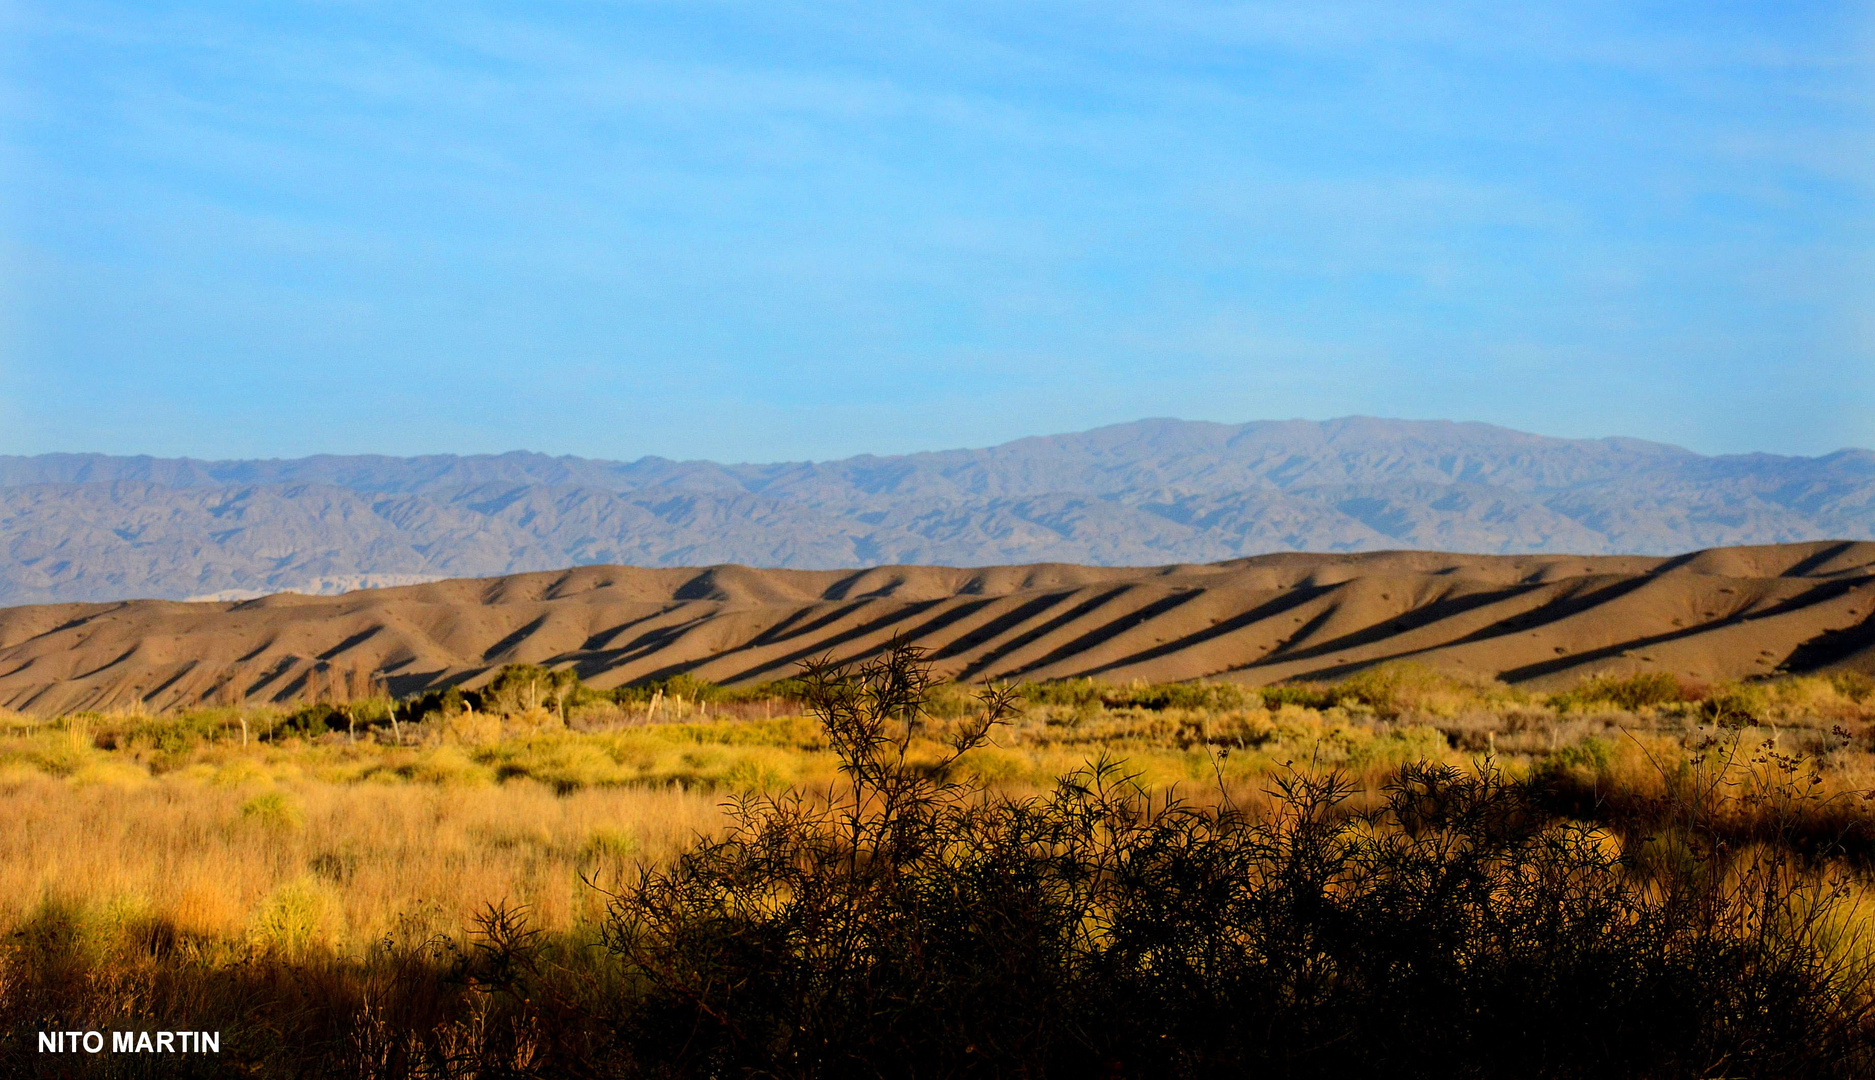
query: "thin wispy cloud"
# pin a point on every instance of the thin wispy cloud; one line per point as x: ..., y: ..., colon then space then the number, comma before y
x: 778, y: 231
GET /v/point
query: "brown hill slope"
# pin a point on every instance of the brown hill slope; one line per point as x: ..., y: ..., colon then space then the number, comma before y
x: 1725, y: 613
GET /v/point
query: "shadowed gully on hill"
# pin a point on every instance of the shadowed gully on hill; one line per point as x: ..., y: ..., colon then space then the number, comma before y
x: 1721, y: 614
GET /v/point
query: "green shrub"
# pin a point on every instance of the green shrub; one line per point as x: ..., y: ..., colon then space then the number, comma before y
x: 295, y: 918
x: 1592, y: 755
x: 683, y: 685
x: 1736, y: 705
x: 312, y: 720
x: 1631, y: 692
x: 1074, y: 693
x: 1854, y: 685
x: 441, y: 702
x: 1317, y: 696
x: 1157, y: 697
x: 607, y: 845
x: 273, y: 809
x: 519, y: 688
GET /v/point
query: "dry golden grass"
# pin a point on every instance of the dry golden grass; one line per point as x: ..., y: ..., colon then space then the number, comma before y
x: 220, y: 828
x: 146, y: 859
x: 312, y: 863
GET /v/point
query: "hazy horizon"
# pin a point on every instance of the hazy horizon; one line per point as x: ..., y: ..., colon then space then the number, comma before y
x: 655, y: 456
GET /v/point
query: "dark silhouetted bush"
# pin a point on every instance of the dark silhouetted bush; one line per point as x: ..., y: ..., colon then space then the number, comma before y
x: 1155, y: 696
x: 312, y: 720
x: 908, y: 925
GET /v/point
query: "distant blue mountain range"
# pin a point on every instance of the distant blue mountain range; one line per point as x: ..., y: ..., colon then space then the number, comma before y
x: 92, y: 527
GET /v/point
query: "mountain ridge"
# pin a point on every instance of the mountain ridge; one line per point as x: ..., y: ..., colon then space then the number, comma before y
x: 81, y: 527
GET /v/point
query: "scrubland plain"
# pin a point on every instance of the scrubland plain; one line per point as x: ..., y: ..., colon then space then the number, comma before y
x: 290, y: 875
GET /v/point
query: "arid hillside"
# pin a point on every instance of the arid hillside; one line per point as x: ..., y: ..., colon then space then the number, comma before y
x: 1725, y: 613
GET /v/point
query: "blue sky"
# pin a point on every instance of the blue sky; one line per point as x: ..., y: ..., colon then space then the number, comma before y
x: 762, y: 231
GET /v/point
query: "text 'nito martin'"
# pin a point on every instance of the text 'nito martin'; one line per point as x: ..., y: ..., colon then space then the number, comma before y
x: 130, y: 1042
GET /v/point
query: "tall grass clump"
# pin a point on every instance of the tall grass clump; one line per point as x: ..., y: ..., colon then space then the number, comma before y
x: 907, y: 923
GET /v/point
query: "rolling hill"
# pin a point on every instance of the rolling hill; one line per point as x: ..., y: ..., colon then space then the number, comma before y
x: 1540, y: 620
